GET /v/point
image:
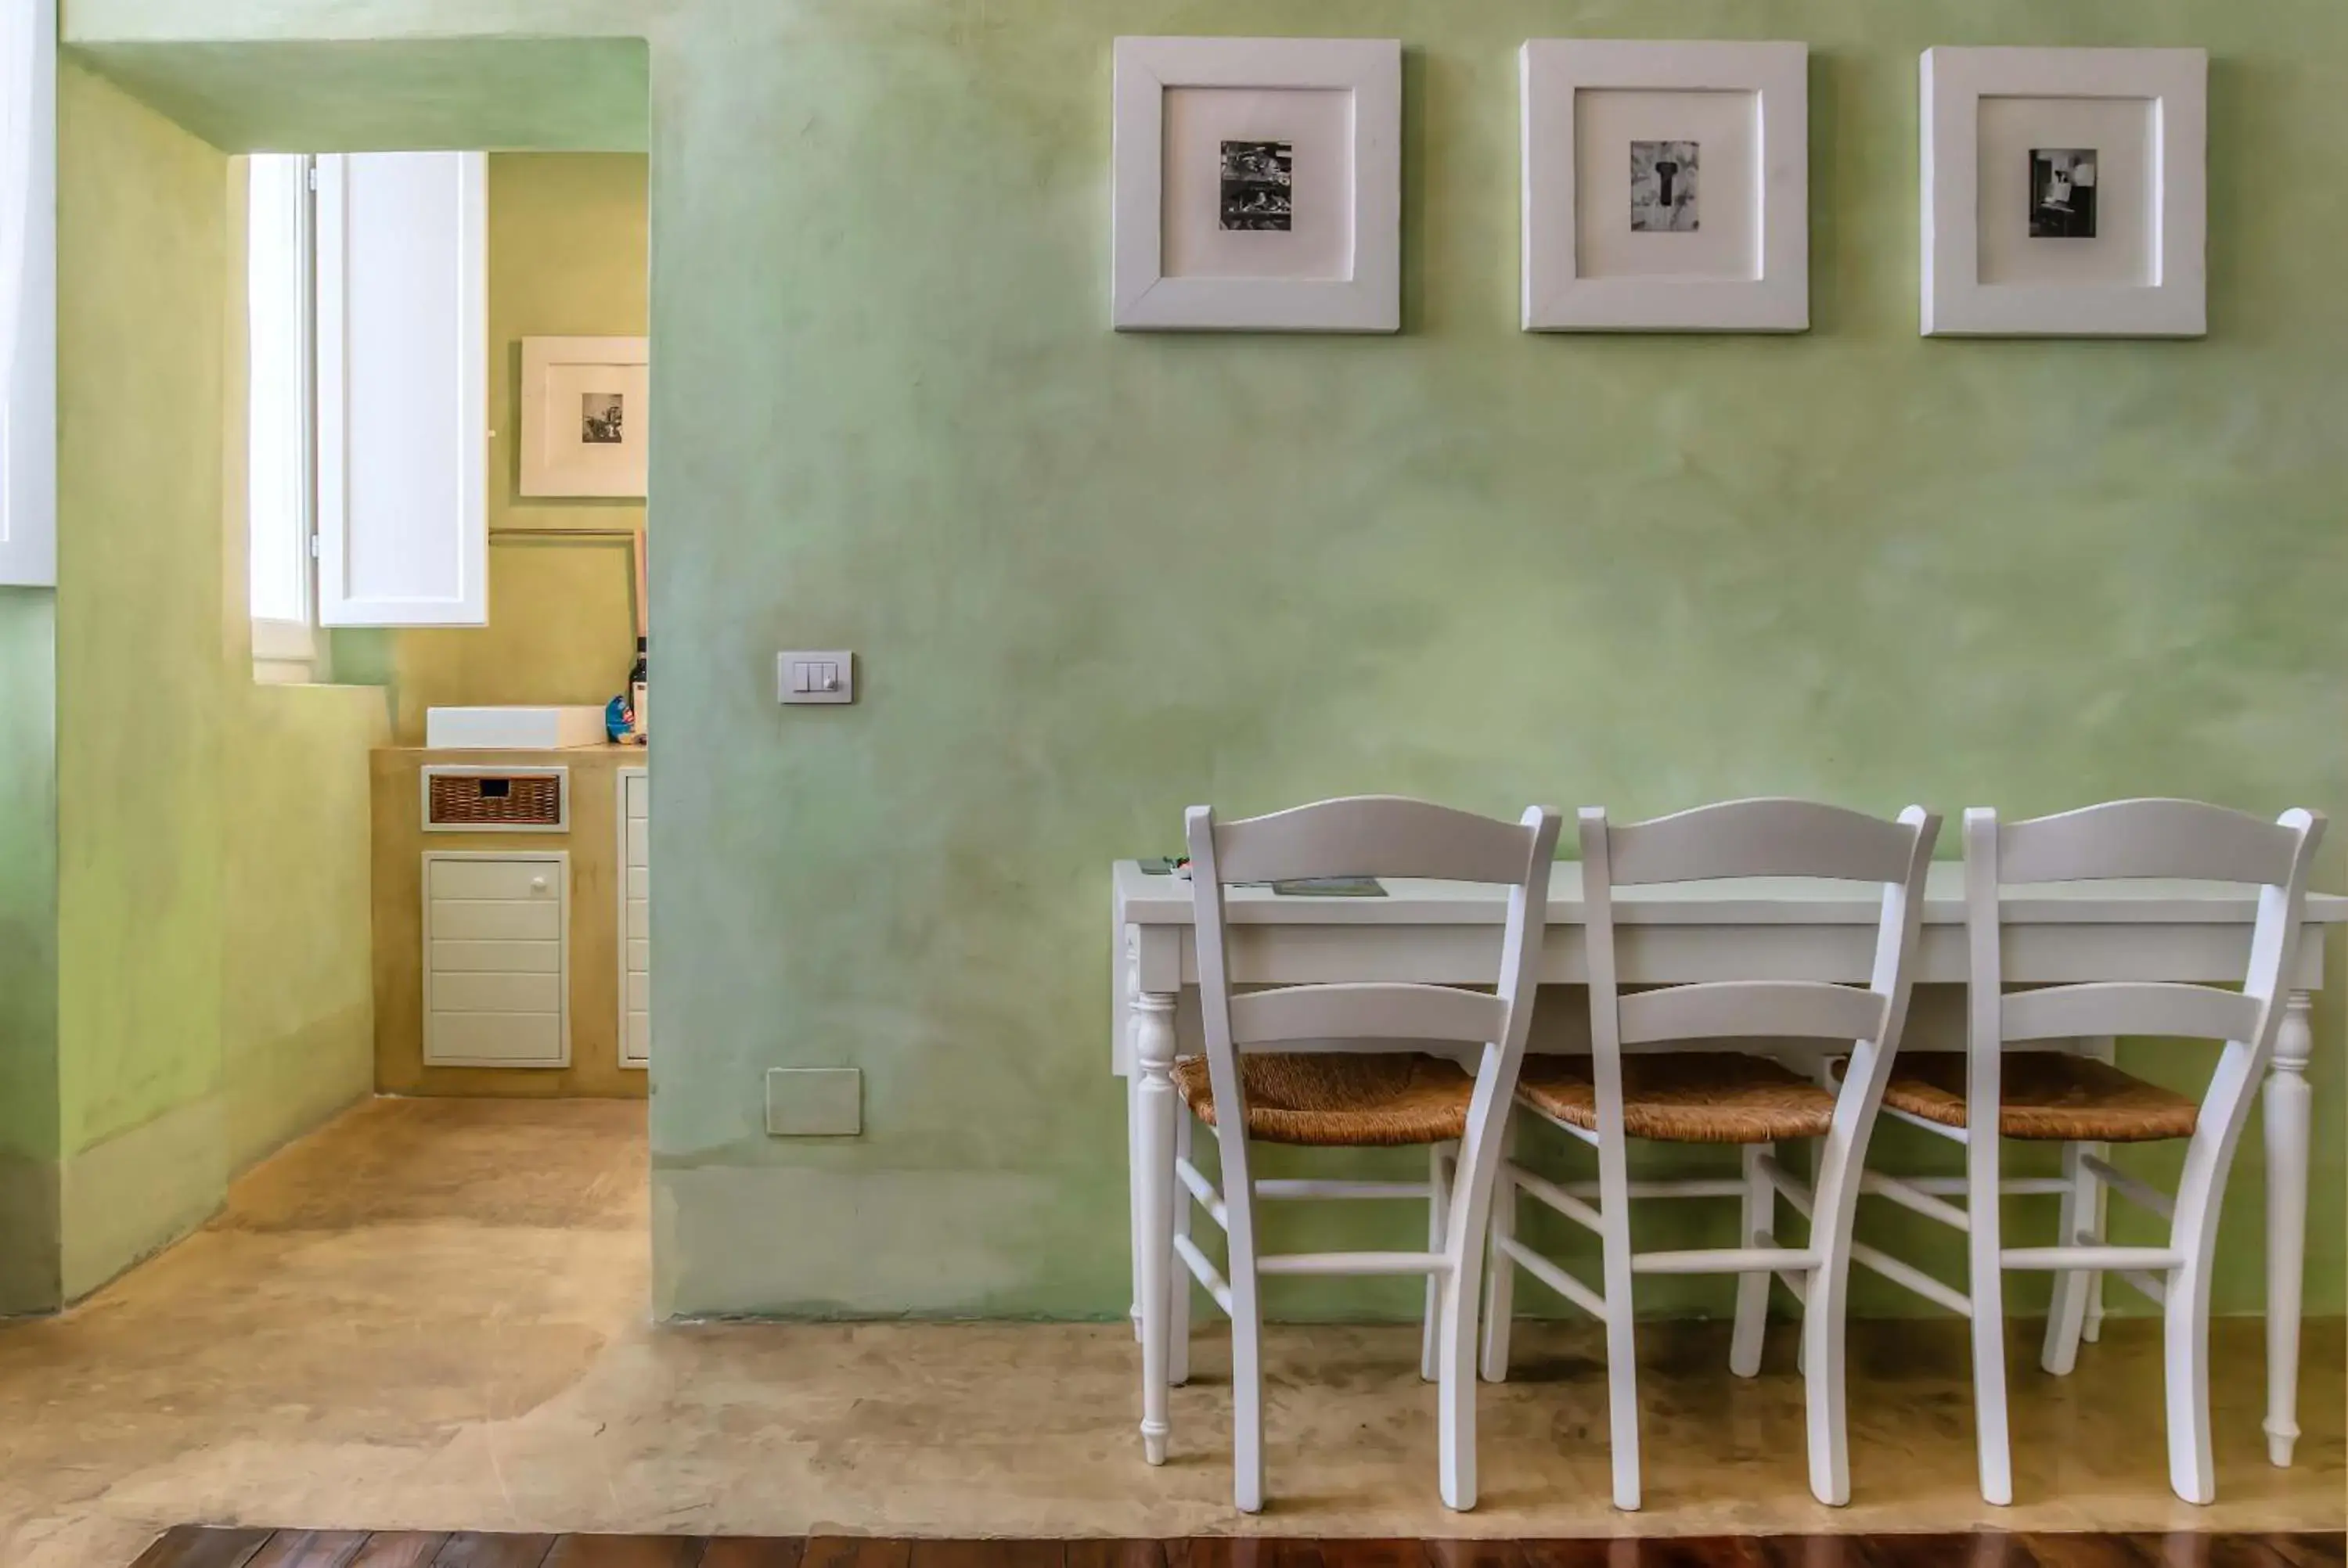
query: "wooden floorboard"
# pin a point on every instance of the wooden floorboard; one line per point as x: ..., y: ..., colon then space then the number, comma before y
x: 310, y: 1549
x: 630, y: 1551
x: 199, y: 1546
x: 190, y: 1547
x: 400, y: 1548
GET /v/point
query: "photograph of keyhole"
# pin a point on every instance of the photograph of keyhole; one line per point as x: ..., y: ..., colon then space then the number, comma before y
x: 1664, y: 187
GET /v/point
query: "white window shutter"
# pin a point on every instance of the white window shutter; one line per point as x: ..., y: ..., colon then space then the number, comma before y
x: 403, y: 389
x: 28, y: 293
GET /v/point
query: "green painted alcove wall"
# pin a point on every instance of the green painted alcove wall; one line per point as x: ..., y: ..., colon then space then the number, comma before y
x: 183, y: 871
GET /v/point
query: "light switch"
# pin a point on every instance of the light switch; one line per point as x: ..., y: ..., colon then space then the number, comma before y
x: 815, y: 677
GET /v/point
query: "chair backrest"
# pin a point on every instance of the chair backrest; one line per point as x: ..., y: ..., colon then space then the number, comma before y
x: 1367, y: 836
x: 1786, y: 838
x: 2138, y: 840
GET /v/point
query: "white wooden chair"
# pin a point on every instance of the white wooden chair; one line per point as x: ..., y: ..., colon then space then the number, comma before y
x: 2083, y: 1104
x: 1334, y: 1086
x: 1716, y: 1097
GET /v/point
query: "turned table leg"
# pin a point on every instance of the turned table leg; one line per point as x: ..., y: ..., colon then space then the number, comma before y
x: 1153, y: 1182
x: 2288, y: 1102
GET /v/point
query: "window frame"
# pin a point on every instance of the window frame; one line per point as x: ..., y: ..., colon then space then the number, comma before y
x: 287, y: 650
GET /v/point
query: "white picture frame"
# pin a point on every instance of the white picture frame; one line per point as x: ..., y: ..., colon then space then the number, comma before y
x: 560, y: 376
x: 1595, y: 258
x: 1342, y: 271
x: 2148, y: 275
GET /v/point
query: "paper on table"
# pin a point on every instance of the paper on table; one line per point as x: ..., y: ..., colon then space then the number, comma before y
x: 1299, y: 887
x: 1331, y: 887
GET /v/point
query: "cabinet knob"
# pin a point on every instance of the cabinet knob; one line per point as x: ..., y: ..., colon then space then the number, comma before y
x: 538, y: 884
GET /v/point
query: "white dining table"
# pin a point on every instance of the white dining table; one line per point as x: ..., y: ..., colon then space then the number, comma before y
x: 1448, y: 933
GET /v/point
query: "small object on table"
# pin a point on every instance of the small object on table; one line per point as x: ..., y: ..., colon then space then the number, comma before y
x: 1331, y: 887
x: 1297, y: 888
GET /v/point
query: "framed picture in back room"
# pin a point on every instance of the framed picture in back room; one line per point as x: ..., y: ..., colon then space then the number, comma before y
x: 584, y: 407
x: 1258, y: 185
x: 1666, y: 186
x: 2065, y: 192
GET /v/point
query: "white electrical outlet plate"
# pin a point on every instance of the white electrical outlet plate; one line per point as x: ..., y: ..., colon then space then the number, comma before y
x: 815, y: 1101
x: 804, y: 677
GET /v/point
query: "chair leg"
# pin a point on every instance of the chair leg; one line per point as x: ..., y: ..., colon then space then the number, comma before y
x: 1622, y: 1399
x: 2075, y: 1312
x: 1822, y: 1380
x: 2079, y: 1221
x: 1178, y: 1277
x: 1818, y: 1152
x: 1247, y: 1410
x: 2187, y: 1334
x: 2091, y: 1323
x: 1753, y: 1289
x: 1438, y: 1204
x: 1456, y: 1382
x: 1501, y: 1288
x: 1621, y: 1341
x: 1985, y: 1277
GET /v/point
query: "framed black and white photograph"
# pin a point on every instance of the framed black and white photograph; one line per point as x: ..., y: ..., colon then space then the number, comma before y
x: 2065, y: 192
x: 2062, y: 192
x: 1259, y: 179
x: 1662, y: 186
x: 583, y: 406
x: 1666, y: 186
x: 1258, y: 185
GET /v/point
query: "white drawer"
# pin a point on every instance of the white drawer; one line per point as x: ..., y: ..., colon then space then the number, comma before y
x: 516, y: 880
x: 636, y: 1040
x: 640, y: 841
x: 496, y: 1038
x: 640, y: 921
x: 637, y: 789
x: 497, y: 919
x: 639, y: 883
x: 640, y: 958
x: 636, y: 991
x: 463, y: 992
x: 496, y: 958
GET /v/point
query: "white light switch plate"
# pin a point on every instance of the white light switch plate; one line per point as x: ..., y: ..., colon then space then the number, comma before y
x: 815, y: 1101
x: 805, y: 677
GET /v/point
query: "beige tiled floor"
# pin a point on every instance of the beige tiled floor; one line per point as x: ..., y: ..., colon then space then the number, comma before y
x: 432, y: 1315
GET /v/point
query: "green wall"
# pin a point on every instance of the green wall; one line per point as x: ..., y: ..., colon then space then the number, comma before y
x: 567, y: 258
x: 212, y: 973
x: 142, y: 247
x: 28, y: 953
x: 1097, y: 578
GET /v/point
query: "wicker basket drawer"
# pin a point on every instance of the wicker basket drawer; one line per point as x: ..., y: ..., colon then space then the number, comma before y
x: 497, y: 800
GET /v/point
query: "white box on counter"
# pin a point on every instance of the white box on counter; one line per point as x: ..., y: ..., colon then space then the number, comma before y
x: 513, y: 729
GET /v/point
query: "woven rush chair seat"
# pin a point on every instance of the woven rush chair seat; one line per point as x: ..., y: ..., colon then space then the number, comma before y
x: 1341, y: 1100
x: 2048, y: 1096
x: 1692, y: 1097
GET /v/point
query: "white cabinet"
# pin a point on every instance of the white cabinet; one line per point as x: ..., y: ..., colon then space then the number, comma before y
x: 497, y: 959
x: 636, y: 917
